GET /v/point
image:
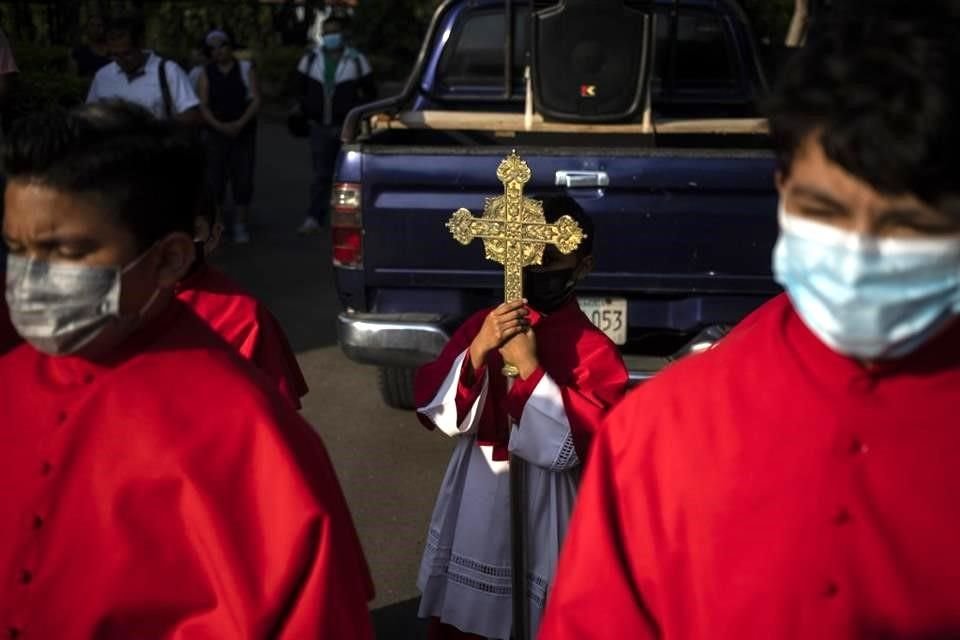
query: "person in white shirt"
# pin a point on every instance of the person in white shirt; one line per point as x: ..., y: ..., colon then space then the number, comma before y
x: 136, y: 75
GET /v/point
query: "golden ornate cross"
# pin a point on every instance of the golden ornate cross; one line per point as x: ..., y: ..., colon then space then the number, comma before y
x: 513, y: 228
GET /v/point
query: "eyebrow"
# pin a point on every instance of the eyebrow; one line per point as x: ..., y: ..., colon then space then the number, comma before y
x: 819, y: 196
x: 919, y: 218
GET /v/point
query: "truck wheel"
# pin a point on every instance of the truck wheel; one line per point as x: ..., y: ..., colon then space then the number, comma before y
x: 396, y: 386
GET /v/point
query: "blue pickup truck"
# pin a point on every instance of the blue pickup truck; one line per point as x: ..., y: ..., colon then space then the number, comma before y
x: 682, y: 198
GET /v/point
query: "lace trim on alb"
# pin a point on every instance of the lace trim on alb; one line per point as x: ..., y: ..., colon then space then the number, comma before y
x: 480, y: 576
x: 567, y: 458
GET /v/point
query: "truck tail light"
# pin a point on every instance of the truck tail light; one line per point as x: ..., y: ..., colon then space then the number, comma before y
x: 346, y: 225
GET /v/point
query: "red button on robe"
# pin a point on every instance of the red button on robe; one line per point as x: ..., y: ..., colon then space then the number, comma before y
x: 168, y: 492
x: 247, y: 325
x: 772, y: 489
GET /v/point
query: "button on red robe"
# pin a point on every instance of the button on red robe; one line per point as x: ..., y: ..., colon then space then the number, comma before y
x: 771, y: 488
x: 168, y: 492
x: 247, y: 325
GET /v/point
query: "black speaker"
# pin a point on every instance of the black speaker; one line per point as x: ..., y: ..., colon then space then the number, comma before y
x: 591, y: 60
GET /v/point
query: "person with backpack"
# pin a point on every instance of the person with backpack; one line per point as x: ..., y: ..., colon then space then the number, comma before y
x: 229, y: 101
x: 335, y: 78
x: 142, y: 77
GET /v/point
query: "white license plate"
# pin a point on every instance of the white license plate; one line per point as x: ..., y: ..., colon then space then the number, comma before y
x: 609, y: 314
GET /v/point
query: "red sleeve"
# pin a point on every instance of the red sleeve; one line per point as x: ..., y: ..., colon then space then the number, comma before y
x: 600, y: 381
x: 272, y: 355
x: 430, y: 376
x: 331, y: 600
x: 520, y: 391
x: 595, y: 594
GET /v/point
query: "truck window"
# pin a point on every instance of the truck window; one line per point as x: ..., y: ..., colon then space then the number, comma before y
x: 704, y: 53
x: 474, y: 57
x: 705, y: 62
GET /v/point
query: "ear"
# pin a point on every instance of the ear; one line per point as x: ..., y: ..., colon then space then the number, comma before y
x: 585, y: 267
x: 201, y: 228
x: 214, y: 239
x: 175, y: 254
x: 780, y: 180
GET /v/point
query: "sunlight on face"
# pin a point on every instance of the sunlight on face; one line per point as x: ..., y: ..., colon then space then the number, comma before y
x: 821, y: 190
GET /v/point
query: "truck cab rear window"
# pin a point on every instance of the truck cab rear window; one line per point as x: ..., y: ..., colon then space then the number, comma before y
x: 474, y: 57
x: 473, y: 60
x: 703, y: 57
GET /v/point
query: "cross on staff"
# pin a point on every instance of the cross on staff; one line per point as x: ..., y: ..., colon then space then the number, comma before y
x: 514, y: 230
x: 515, y: 233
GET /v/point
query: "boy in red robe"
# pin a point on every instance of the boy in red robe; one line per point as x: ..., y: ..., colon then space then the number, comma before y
x: 238, y: 317
x: 800, y: 479
x: 570, y: 374
x: 152, y: 483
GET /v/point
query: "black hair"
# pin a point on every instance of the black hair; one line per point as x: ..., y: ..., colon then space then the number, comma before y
x: 128, y: 24
x: 881, y: 92
x: 556, y: 206
x: 146, y: 172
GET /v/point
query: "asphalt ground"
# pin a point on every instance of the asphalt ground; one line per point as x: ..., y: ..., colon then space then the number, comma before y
x: 389, y: 466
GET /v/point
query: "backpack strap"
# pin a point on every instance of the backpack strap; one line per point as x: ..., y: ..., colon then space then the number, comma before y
x: 357, y: 67
x: 165, y: 89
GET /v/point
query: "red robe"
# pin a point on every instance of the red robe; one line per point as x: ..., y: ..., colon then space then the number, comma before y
x: 770, y: 488
x: 583, y: 362
x: 247, y: 325
x: 168, y: 492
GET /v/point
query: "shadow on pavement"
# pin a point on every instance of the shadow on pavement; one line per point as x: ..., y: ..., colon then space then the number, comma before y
x: 399, y: 621
x: 291, y: 274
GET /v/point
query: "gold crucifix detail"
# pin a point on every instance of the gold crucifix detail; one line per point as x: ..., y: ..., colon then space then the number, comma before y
x: 514, y: 230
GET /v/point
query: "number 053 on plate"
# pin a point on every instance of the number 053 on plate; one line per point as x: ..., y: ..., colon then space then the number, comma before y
x: 609, y: 315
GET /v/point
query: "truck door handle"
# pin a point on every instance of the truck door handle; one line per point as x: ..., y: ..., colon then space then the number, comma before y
x: 580, y: 179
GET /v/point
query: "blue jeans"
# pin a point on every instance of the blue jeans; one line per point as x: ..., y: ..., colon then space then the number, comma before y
x: 324, y: 147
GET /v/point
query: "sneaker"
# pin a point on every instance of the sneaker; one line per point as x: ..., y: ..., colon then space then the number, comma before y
x: 309, y: 226
x: 240, y: 233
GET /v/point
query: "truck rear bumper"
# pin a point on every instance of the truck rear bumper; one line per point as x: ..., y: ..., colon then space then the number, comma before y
x: 391, y: 340
x: 413, y: 339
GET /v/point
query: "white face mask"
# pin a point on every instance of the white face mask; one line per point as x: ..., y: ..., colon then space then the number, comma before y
x: 60, y: 307
x: 864, y: 296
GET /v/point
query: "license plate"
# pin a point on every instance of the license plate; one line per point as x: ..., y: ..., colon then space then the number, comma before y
x: 609, y: 315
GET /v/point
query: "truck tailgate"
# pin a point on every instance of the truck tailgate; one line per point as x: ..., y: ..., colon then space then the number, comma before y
x: 670, y: 224
x: 685, y: 235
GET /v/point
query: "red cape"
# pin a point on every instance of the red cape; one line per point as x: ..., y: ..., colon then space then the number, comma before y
x: 168, y: 493
x: 247, y: 325
x: 583, y: 362
x: 771, y: 488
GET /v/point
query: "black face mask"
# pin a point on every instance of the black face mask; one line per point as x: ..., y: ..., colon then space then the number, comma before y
x: 547, y: 291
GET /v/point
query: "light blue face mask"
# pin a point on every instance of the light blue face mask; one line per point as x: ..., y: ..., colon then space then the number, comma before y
x: 333, y: 41
x: 868, y: 297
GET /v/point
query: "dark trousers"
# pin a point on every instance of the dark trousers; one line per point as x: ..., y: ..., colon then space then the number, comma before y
x: 232, y: 160
x: 324, y: 147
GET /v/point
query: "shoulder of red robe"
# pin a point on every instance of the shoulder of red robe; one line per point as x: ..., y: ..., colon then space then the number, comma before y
x: 746, y: 357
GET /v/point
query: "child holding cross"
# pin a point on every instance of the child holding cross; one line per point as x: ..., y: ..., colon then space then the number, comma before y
x: 570, y: 375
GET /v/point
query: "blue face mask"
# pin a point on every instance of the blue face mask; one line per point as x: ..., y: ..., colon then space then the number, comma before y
x: 332, y: 41
x: 868, y: 297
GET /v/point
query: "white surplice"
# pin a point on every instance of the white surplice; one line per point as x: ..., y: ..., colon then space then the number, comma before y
x: 465, y: 574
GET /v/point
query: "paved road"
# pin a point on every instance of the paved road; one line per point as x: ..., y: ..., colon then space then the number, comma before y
x: 389, y: 466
